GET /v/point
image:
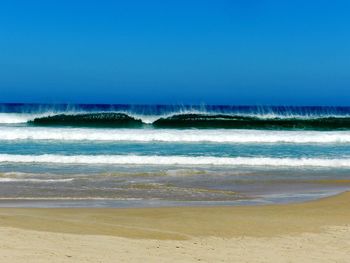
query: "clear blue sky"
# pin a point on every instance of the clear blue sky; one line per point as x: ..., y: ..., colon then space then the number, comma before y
x: 137, y: 51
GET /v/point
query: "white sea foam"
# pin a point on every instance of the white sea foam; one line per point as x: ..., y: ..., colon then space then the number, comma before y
x: 8, y: 118
x: 172, y: 135
x: 174, y: 160
x: 34, y: 180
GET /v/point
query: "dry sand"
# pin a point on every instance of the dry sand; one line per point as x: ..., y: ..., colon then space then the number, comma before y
x: 317, y: 231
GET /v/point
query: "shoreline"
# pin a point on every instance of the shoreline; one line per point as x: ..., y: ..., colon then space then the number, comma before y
x: 299, y: 192
x: 157, y: 223
x: 314, y: 231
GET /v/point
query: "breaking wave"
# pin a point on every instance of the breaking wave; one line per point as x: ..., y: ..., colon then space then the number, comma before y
x: 167, y: 116
x: 107, y: 119
x: 254, y: 122
x: 192, y: 120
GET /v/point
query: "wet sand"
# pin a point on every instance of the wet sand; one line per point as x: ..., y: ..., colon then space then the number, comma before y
x: 316, y: 231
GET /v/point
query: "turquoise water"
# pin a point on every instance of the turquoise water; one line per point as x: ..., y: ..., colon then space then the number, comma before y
x: 212, y: 156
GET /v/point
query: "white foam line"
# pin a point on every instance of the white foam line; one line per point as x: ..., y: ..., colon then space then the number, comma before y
x: 6, y: 180
x: 172, y: 135
x: 173, y: 160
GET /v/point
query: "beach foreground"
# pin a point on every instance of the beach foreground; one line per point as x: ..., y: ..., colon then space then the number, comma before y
x: 317, y: 231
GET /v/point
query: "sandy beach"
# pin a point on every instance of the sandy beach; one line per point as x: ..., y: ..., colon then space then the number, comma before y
x: 316, y: 231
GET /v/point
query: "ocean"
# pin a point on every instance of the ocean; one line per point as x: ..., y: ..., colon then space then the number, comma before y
x: 60, y: 155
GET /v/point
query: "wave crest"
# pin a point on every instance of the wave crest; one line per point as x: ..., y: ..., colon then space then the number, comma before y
x: 193, y: 120
x: 183, y: 120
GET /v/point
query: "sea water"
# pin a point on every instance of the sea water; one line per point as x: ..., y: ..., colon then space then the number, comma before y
x: 161, y: 155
